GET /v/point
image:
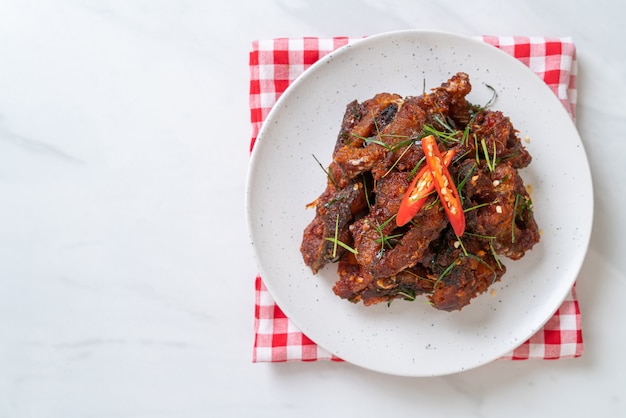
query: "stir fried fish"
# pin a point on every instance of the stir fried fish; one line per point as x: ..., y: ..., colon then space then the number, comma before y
x: 378, y: 152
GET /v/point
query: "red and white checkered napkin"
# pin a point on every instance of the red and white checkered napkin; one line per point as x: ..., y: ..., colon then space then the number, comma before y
x: 276, y: 63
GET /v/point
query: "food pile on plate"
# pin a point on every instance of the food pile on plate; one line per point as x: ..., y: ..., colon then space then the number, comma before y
x: 423, y: 196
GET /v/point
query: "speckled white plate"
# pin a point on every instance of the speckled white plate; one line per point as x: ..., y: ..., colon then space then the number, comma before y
x: 412, y: 338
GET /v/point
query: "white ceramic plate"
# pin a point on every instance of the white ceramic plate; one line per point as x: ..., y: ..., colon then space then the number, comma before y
x: 412, y: 338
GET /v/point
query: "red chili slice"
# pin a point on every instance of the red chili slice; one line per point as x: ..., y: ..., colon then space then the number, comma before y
x: 444, y: 185
x: 418, y: 191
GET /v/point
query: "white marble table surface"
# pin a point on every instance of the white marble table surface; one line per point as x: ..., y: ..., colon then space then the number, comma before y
x: 126, y: 279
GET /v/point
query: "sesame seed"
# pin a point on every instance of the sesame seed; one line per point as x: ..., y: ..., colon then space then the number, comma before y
x: 499, y: 209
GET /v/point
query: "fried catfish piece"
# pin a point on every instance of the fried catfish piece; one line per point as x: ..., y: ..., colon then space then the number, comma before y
x: 368, y: 232
x: 352, y: 154
x: 334, y: 211
x: 407, y: 284
x: 380, y: 271
x: 511, y: 219
x: 505, y: 211
x: 448, y: 101
x: 405, y: 126
x: 414, y: 281
x: 460, y: 277
x: 445, y: 103
x: 414, y: 243
x: 498, y: 133
x: 351, y: 281
x: 361, y: 120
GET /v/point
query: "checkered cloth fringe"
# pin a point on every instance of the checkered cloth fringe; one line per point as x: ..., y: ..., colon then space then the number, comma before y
x: 275, y: 63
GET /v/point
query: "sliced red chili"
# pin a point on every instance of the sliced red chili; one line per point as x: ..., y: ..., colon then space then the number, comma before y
x: 444, y: 185
x: 418, y: 191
